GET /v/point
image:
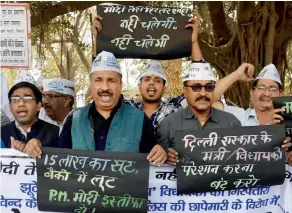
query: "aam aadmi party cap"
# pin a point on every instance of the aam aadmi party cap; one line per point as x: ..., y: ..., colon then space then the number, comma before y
x: 39, y: 81
x: 153, y: 68
x: 26, y: 76
x: 60, y: 85
x: 106, y: 61
x: 269, y: 72
x: 25, y: 79
x: 200, y: 71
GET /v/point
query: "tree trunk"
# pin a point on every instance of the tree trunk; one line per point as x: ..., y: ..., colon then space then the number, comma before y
x: 219, y: 25
x: 255, y: 40
x: 172, y: 70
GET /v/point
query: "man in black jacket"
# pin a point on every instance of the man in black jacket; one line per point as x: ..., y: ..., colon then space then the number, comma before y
x: 27, y: 133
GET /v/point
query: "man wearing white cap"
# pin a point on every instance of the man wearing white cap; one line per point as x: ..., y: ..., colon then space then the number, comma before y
x: 27, y: 133
x: 266, y: 86
x: 58, y: 100
x: 152, y: 83
x: 107, y: 123
x: 199, y: 85
x: 150, y: 86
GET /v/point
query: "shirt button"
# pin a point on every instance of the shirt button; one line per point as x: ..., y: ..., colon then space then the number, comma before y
x: 101, y: 137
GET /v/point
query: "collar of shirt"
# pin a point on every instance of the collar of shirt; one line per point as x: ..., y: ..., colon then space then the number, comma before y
x: 22, y: 130
x: 188, y: 114
x: 139, y: 104
x: 62, y: 124
x: 165, y: 108
x: 96, y: 119
x: 252, y: 115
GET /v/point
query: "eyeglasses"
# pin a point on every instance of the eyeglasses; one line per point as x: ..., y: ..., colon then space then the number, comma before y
x: 50, y: 96
x: 198, y: 87
x: 26, y: 99
x: 262, y: 88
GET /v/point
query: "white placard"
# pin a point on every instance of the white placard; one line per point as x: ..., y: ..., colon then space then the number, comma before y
x: 15, y: 36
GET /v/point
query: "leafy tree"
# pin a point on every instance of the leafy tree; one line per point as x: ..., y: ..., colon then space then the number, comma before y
x: 231, y: 33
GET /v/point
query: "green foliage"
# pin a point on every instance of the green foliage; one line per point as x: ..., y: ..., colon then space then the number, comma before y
x: 57, y: 47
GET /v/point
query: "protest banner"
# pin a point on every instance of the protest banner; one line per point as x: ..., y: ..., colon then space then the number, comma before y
x: 79, y: 180
x: 285, y: 102
x: 19, y: 191
x: 220, y: 159
x: 15, y: 36
x: 144, y: 32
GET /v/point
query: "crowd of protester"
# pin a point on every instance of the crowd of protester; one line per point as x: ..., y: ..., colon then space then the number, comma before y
x: 36, y: 114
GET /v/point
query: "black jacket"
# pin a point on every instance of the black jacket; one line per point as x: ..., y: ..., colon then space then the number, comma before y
x: 45, y: 132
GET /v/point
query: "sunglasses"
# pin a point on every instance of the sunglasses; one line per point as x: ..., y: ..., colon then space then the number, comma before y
x: 198, y: 87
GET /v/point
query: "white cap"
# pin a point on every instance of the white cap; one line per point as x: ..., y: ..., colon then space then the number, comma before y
x: 153, y: 68
x: 106, y: 61
x: 269, y: 72
x: 60, y: 85
x: 200, y: 71
x: 39, y: 81
x: 26, y: 76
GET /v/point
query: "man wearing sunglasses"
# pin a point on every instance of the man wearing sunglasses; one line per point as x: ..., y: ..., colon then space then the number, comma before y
x: 58, y: 101
x: 199, y: 85
x: 27, y: 133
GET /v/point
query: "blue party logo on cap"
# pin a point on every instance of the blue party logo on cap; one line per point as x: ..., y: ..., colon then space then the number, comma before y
x: 96, y: 61
x: 112, y: 62
x: 56, y: 85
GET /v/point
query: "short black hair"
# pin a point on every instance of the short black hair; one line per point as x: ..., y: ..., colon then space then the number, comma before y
x: 254, y: 84
x: 71, y: 100
x: 36, y: 91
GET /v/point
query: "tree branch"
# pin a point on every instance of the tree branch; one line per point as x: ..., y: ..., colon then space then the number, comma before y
x: 219, y: 25
x: 81, y: 54
x: 57, y: 61
x: 49, y: 12
x: 273, y: 18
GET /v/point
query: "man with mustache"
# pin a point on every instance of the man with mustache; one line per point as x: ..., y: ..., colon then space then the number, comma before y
x: 106, y: 123
x: 153, y: 81
x: 58, y: 101
x: 27, y: 133
x: 266, y: 86
x: 199, y: 85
